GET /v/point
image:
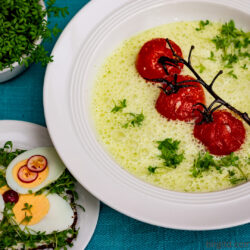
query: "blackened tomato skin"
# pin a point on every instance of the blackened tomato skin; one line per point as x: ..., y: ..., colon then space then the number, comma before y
x: 10, y: 196
x: 180, y: 105
x: 223, y: 136
x: 147, y: 60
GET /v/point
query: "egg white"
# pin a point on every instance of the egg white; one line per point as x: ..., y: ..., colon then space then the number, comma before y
x: 59, y: 217
x: 1, y: 207
x: 56, y: 168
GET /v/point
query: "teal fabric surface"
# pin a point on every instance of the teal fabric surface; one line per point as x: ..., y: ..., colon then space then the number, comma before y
x: 21, y: 99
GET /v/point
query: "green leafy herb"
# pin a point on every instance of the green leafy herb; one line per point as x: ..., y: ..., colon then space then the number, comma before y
x: 152, y: 169
x: 122, y: 104
x: 233, y: 43
x: 231, y: 73
x: 201, y: 68
x: 27, y: 207
x: 206, y: 162
x: 136, y: 120
x: 169, y: 153
x: 211, y: 56
x: 65, y: 183
x: 202, y: 25
x: 7, y: 154
x: 12, y: 234
x: 22, y: 23
x: 202, y: 164
x: 244, y: 66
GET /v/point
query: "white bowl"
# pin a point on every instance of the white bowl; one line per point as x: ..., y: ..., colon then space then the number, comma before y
x: 8, y: 73
x: 88, y: 39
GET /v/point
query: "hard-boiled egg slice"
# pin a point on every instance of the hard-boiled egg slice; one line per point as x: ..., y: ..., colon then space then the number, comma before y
x: 1, y: 207
x: 44, y: 213
x: 51, y: 173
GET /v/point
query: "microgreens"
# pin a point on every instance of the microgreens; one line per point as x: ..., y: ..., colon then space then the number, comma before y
x: 7, y: 154
x: 202, y: 25
x: 233, y: 43
x: 211, y: 56
x: 205, y: 162
x: 22, y: 22
x: 201, y: 68
x: 10, y: 232
x: 136, y: 120
x: 122, y: 104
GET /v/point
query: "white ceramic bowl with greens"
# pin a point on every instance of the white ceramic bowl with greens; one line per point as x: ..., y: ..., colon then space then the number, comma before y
x: 89, y: 38
x: 16, y: 68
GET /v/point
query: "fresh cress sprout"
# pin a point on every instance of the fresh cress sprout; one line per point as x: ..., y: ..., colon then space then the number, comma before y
x: 11, y: 235
x: 22, y: 23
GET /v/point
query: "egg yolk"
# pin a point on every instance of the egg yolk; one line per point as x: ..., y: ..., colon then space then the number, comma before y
x: 32, y: 207
x: 4, y: 189
x: 41, y: 176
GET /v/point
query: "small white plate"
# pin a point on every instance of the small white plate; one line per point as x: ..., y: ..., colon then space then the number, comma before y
x: 26, y: 135
x: 90, y: 37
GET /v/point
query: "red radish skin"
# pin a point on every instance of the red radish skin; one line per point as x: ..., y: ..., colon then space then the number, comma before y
x: 10, y: 196
x: 25, y: 175
x: 224, y: 135
x: 37, y: 163
x: 147, y: 63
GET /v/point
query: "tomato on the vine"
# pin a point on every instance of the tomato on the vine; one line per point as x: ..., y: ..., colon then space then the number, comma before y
x: 147, y: 63
x: 180, y: 105
x: 223, y: 135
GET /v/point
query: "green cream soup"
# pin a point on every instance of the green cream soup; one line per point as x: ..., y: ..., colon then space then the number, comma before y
x: 135, y: 148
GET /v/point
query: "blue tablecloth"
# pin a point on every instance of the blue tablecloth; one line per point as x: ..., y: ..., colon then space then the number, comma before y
x: 21, y: 99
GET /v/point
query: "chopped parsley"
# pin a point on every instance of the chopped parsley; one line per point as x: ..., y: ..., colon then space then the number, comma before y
x: 169, y: 153
x: 205, y: 162
x: 122, y: 104
x: 202, y: 25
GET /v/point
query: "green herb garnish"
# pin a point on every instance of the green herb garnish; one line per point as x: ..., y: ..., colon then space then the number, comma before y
x: 7, y: 154
x: 10, y: 232
x: 231, y: 73
x: 202, y: 25
x: 169, y: 153
x: 122, y: 104
x: 136, y: 120
x: 233, y: 43
x: 244, y: 66
x: 65, y: 183
x: 201, y: 68
x: 211, y: 56
x: 22, y: 22
x: 206, y: 162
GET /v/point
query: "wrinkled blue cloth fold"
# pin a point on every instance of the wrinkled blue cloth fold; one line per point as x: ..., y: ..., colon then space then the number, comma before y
x: 21, y: 99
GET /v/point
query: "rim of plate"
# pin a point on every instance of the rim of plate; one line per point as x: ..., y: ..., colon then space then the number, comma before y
x: 82, y: 136
x: 28, y: 135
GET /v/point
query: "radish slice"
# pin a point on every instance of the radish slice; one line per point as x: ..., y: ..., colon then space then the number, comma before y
x: 37, y: 163
x: 25, y: 175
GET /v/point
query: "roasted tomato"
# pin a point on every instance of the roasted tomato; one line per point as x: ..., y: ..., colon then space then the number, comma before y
x: 223, y: 135
x: 180, y: 104
x: 147, y: 60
